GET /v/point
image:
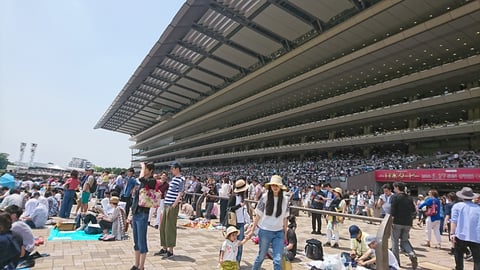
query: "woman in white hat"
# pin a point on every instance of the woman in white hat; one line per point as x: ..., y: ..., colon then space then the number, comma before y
x: 333, y: 230
x: 237, y: 204
x: 271, y: 218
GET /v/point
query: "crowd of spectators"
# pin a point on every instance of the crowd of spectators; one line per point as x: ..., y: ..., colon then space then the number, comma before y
x: 323, y: 169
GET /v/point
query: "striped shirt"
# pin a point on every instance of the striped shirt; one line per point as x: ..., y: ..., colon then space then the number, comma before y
x: 177, y: 185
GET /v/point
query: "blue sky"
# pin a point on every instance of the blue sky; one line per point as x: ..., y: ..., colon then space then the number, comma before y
x: 62, y: 63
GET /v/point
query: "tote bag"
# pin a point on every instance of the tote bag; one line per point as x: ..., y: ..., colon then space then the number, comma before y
x: 149, y: 198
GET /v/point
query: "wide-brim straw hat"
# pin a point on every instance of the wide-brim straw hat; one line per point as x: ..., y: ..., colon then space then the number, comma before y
x: 466, y: 193
x: 230, y: 230
x: 240, y: 186
x: 338, y: 190
x: 114, y: 200
x: 276, y: 180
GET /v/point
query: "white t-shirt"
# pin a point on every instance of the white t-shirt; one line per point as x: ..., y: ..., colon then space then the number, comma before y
x: 230, y: 250
x: 386, y: 207
x: 392, y: 261
x: 241, y: 212
x: 271, y: 223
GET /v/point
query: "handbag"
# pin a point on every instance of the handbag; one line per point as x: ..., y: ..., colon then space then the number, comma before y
x: 431, y: 210
x: 231, y: 218
x: 286, y: 264
x: 149, y: 198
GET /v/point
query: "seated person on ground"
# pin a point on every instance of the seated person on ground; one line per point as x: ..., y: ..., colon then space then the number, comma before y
x: 39, y: 216
x: 187, y: 209
x: 92, y: 215
x: 22, y: 231
x: 52, y: 204
x: 10, y: 246
x: 368, y: 259
x: 115, y: 221
x: 358, y: 245
x: 291, y: 248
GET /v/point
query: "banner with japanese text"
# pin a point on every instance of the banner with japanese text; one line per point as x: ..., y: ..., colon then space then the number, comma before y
x: 458, y: 175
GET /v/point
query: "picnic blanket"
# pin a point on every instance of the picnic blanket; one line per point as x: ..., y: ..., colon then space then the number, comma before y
x: 56, y: 235
x: 201, y: 223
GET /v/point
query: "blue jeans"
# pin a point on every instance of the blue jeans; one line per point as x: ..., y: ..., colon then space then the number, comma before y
x: 139, y: 228
x: 240, y: 236
x: 67, y: 204
x: 265, y: 239
x: 101, y: 193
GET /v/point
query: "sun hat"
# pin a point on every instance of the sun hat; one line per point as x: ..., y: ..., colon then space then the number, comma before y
x: 276, y: 180
x: 466, y: 193
x: 230, y: 230
x: 338, y: 190
x: 354, y: 230
x: 370, y: 239
x: 240, y: 186
x: 114, y: 199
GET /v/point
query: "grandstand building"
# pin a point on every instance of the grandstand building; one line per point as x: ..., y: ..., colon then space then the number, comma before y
x: 250, y: 80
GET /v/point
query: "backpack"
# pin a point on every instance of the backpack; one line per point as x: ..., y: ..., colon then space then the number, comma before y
x: 432, y: 210
x: 314, y: 249
x: 93, y: 188
x: 83, y: 180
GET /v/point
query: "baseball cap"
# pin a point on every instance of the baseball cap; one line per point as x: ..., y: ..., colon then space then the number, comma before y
x: 354, y: 230
x: 370, y: 239
x: 175, y: 165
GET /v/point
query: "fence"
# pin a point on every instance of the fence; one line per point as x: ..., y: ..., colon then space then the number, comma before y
x: 383, y: 232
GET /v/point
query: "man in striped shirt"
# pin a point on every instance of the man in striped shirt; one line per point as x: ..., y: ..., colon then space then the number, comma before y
x: 168, y: 226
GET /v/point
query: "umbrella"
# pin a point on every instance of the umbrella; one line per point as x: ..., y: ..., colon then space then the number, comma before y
x: 7, y: 180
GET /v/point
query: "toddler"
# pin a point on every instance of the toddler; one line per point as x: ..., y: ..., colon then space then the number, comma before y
x: 229, y: 249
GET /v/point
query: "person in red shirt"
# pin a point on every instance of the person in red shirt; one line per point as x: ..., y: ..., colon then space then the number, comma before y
x: 69, y: 189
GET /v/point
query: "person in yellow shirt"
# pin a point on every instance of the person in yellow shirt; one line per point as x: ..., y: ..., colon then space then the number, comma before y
x: 358, y: 244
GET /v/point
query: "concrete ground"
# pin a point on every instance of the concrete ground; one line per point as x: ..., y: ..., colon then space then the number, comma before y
x: 198, y: 249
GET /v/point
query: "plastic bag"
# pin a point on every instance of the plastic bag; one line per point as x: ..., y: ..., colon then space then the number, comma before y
x: 332, y: 262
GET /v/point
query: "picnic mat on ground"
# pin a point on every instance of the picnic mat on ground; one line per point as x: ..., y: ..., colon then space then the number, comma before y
x: 201, y: 223
x: 56, y: 235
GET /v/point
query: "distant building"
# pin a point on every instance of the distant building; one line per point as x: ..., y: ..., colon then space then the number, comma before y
x: 79, y: 163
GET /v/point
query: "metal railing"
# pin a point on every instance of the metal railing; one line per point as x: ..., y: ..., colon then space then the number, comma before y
x: 383, y: 232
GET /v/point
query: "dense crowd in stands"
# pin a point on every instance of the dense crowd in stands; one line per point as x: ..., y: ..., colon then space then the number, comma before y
x: 322, y: 169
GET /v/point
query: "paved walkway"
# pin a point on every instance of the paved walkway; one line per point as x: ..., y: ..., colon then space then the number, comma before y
x: 198, y: 249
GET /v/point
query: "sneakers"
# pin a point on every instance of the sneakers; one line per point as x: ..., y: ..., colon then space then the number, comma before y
x: 161, y: 252
x: 414, y: 261
x: 327, y: 244
x: 335, y: 245
x: 169, y: 254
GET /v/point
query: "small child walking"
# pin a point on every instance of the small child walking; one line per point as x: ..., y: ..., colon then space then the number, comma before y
x: 229, y: 250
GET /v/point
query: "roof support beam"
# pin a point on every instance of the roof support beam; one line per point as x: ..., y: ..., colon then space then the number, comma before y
x: 194, y: 66
x: 182, y: 75
x: 153, y: 102
x: 298, y: 13
x: 209, y: 55
x: 245, y: 22
x: 176, y: 84
x: 189, y: 98
x: 222, y: 39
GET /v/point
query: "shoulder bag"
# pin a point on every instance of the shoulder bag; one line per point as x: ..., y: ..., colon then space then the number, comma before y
x: 149, y: 198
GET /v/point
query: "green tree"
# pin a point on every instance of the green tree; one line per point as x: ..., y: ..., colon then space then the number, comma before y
x: 4, y: 161
x: 113, y: 170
